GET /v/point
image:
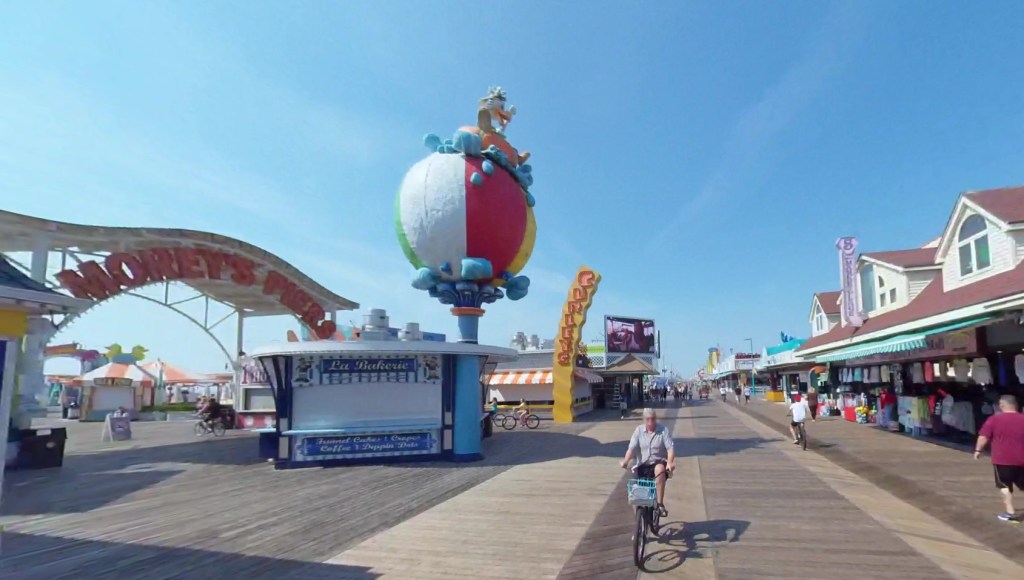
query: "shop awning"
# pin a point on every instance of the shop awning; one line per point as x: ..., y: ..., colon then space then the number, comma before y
x: 520, y: 378
x: 537, y: 377
x: 901, y: 343
x: 589, y: 376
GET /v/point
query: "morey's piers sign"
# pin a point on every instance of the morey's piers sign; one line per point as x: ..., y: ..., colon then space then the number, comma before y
x: 121, y: 271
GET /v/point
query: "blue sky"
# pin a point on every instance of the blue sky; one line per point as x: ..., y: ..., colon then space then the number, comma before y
x: 703, y: 156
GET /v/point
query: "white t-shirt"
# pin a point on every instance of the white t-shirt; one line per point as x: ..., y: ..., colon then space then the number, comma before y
x: 799, y: 411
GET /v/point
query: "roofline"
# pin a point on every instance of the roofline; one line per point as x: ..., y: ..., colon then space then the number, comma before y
x: 66, y: 303
x: 1004, y: 303
x: 897, y: 267
x: 944, y: 242
x: 90, y: 235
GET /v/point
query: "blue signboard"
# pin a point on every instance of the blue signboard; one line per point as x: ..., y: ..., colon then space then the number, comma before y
x: 329, y: 366
x: 368, y: 444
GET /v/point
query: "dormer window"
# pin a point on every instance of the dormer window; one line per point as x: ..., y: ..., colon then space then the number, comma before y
x: 820, y: 320
x: 972, y: 244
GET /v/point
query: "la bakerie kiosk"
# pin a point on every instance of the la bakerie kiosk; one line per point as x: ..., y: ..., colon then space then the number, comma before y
x: 464, y: 220
x: 377, y: 400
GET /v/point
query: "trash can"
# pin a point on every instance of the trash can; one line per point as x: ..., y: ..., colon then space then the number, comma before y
x: 42, y: 448
x: 488, y: 425
x: 268, y: 444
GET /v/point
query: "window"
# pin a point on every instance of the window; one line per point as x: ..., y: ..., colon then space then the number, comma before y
x: 972, y: 245
x: 258, y: 399
x: 881, y: 300
x: 892, y: 295
x: 867, y: 293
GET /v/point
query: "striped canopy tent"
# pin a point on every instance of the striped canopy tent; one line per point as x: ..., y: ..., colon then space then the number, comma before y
x: 537, y: 377
x: 168, y: 374
x: 117, y: 374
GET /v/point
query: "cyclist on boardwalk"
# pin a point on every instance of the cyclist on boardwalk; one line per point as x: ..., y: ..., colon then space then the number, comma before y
x: 657, y: 454
x: 799, y: 412
x: 522, y: 411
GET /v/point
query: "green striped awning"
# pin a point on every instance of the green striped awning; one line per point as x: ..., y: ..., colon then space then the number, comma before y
x: 901, y: 343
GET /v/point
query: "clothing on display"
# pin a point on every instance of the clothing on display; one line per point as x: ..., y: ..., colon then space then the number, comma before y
x: 876, y: 375
x: 929, y: 372
x: 857, y: 375
x: 916, y: 373
x: 885, y: 374
x: 1018, y: 367
x: 962, y: 370
x: 981, y: 372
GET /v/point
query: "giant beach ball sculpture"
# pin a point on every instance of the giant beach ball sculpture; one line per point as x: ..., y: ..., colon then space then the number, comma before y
x: 464, y: 216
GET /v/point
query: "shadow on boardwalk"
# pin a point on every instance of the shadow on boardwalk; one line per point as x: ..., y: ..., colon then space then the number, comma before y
x: 681, y: 541
x: 24, y: 552
x: 90, y: 481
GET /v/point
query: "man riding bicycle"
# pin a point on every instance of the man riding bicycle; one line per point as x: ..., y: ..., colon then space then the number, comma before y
x: 211, y: 411
x: 799, y: 412
x: 657, y: 457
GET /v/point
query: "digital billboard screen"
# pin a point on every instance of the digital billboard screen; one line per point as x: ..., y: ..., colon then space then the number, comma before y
x: 629, y: 335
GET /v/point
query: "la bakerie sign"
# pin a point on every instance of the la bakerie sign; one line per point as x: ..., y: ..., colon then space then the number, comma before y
x: 124, y: 270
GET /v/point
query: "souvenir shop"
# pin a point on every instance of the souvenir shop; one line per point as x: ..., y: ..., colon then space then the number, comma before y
x: 941, y: 383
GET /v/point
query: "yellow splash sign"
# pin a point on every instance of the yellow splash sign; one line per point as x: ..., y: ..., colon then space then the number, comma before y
x: 574, y: 316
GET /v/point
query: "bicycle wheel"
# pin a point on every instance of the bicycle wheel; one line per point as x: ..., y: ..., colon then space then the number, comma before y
x: 498, y: 418
x: 532, y: 422
x: 803, y: 436
x: 640, y: 538
x: 200, y: 429
x: 655, y: 520
x: 509, y: 423
x: 218, y: 428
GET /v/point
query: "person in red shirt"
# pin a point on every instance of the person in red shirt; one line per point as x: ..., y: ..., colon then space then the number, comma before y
x: 1005, y: 431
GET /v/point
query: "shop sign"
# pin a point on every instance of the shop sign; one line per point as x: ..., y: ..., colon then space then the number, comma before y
x: 117, y: 428
x: 848, y: 280
x: 112, y: 382
x: 253, y: 373
x: 574, y: 315
x: 126, y: 270
x: 367, y: 365
x: 570, y: 325
x: 311, y: 370
x: 399, y: 443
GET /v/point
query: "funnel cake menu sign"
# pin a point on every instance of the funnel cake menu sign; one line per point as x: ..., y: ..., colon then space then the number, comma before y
x: 121, y: 271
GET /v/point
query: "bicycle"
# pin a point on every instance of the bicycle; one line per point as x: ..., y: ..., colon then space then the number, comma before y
x: 497, y: 417
x: 801, y: 435
x: 511, y: 421
x: 217, y: 427
x: 643, y: 495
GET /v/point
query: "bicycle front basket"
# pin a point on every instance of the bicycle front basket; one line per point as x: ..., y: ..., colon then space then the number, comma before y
x: 641, y: 492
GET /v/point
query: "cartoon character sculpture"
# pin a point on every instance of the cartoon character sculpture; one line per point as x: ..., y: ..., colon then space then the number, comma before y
x: 464, y: 214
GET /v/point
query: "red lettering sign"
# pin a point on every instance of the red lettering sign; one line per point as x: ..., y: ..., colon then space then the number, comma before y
x: 122, y: 270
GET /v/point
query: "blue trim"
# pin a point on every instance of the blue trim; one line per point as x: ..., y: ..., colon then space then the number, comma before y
x: 281, y: 464
x: 378, y: 429
x: 466, y: 457
x: 468, y: 403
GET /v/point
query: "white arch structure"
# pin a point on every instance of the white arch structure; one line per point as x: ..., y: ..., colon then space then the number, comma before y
x: 100, y: 263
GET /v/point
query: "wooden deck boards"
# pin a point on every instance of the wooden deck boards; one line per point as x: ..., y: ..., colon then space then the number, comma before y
x: 745, y: 503
x: 176, y: 510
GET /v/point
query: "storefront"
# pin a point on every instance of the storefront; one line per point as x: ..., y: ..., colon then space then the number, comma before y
x: 940, y: 382
x: 376, y: 401
x: 783, y: 371
x: 254, y: 402
x: 530, y: 379
x: 624, y: 381
x: 115, y: 386
x: 736, y: 371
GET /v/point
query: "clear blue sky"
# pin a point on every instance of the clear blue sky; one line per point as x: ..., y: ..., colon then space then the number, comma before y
x: 704, y: 156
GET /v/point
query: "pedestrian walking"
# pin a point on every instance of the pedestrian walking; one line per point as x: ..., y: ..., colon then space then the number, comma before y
x: 746, y: 395
x: 1005, y: 433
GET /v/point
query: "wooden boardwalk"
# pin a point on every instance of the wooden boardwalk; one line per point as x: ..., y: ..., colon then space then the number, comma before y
x: 745, y: 503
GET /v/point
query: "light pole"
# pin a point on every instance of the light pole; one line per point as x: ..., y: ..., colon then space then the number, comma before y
x: 750, y: 341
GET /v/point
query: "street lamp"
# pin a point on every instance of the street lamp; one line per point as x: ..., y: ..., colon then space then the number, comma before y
x: 750, y: 341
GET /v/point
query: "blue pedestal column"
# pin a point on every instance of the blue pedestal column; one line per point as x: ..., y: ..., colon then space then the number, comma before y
x: 468, y: 409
